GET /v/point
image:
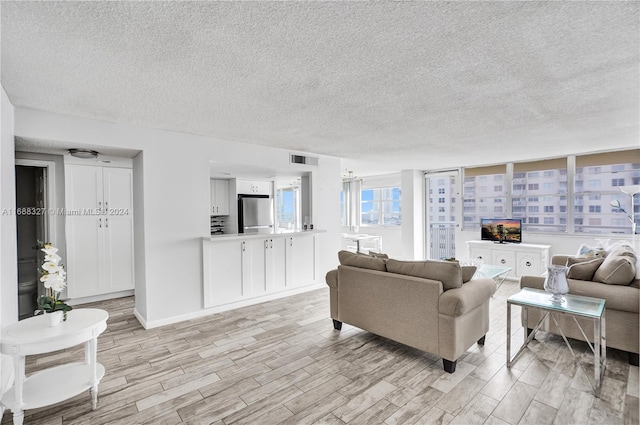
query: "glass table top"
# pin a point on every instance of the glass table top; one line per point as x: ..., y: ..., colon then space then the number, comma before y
x: 490, y: 271
x: 574, y: 304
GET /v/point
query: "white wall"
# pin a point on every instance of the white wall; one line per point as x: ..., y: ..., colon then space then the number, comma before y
x: 412, y: 214
x: 8, y: 248
x: 171, y: 199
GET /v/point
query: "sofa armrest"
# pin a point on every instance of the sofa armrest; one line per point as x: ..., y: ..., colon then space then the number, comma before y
x: 560, y: 260
x: 332, y: 278
x: 458, y: 301
x: 536, y: 282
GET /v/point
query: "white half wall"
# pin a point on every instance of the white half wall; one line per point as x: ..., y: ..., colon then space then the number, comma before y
x: 171, y: 200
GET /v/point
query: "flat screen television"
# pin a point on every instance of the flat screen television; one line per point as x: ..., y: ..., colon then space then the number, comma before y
x: 501, y: 230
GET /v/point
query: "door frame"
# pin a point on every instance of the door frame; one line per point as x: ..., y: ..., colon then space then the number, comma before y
x: 50, y: 194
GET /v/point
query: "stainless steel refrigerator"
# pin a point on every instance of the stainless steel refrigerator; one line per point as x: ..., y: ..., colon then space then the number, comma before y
x: 255, y: 214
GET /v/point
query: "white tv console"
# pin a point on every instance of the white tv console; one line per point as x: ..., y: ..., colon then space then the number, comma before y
x: 524, y: 259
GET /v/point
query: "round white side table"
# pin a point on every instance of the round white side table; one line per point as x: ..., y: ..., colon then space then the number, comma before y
x: 56, y: 384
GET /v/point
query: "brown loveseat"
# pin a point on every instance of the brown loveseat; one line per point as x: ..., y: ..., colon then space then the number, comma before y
x: 390, y: 299
x: 622, y: 303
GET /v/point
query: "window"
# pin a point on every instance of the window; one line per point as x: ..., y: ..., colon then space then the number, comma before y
x: 441, y: 200
x: 483, y: 187
x: 288, y: 206
x: 540, y: 182
x: 441, y: 190
x: 380, y: 207
x: 603, y: 174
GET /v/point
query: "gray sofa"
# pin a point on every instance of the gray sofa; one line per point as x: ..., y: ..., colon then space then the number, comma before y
x: 622, y: 307
x: 442, y: 318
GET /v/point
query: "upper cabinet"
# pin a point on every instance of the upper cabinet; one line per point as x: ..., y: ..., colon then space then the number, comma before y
x: 219, y: 197
x: 254, y: 187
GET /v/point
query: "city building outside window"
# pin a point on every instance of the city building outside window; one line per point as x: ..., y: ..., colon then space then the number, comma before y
x: 483, y: 191
x: 546, y: 180
x: 604, y: 174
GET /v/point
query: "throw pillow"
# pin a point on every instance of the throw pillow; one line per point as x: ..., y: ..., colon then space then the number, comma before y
x: 378, y: 255
x: 362, y: 261
x: 447, y: 272
x: 575, y: 260
x: 467, y: 273
x: 590, y: 251
x: 584, y: 270
x: 616, y: 270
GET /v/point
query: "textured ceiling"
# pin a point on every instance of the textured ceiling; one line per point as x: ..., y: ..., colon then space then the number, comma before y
x: 422, y: 85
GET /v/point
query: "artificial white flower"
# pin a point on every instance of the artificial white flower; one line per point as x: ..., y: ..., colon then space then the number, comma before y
x: 51, y: 267
x: 53, y: 258
x: 54, y: 282
x: 49, y: 249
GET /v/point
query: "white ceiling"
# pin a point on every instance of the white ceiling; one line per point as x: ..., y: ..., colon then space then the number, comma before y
x: 425, y: 85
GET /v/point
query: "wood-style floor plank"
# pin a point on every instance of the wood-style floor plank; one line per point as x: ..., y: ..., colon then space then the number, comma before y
x: 282, y: 362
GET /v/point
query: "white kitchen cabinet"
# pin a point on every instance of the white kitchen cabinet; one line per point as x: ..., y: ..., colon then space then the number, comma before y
x: 99, y: 230
x: 219, y: 197
x: 241, y: 268
x: 223, y: 272
x: 254, y: 187
x: 302, y: 260
x: 524, y: 259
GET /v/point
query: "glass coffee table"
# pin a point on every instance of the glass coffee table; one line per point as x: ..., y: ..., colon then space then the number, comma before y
x: 497, y: 273
x: 574, y: 306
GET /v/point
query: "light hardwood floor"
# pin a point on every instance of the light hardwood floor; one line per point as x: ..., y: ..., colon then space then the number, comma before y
x: 282, y: 362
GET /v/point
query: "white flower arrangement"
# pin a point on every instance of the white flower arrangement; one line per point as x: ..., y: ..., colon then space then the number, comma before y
x: 54, y: 279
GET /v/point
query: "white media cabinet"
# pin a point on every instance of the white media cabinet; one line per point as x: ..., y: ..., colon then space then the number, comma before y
x: 524, y: 259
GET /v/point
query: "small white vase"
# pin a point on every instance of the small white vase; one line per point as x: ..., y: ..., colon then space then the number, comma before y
x: 54, y: 319
x: 556, y: 282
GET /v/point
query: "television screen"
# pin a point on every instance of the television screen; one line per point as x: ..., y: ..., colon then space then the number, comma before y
x: 501, y: 229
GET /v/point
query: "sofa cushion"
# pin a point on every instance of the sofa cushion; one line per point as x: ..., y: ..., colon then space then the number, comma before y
x: 379, y: 255
x: 467, y: 273
x: 583, y: 270
x: 447, y: 272
x: 616, y: 270
x: 363, y: 261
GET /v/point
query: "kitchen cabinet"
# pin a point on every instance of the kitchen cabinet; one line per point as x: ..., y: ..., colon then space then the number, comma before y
x: 524, y: 259
x: 223, y: 270
x: 301, y: 260
x: 99, y: 230
x: 219, y: 197
x: 241, y: 268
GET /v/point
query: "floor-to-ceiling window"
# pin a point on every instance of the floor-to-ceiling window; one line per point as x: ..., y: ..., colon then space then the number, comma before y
x: 442, y: 208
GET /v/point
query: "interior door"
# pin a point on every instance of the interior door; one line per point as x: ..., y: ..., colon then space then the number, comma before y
x: 443, y: 214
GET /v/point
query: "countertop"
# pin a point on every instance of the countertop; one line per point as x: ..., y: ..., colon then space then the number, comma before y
x: 281, y: 233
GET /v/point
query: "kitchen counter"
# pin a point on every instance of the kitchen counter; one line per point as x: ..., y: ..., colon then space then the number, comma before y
x: 241, y: 236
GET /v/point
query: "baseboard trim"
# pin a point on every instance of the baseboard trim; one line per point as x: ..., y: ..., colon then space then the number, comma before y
x: 101, y: 297
x: 150, y: 324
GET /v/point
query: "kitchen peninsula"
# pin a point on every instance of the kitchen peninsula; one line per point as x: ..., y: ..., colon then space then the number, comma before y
x: 244, y: 269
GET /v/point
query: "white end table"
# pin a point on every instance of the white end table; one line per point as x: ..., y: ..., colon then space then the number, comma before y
x: 56, y: 384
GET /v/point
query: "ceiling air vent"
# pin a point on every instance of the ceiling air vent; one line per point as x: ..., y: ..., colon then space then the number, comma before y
x: 308, y: 160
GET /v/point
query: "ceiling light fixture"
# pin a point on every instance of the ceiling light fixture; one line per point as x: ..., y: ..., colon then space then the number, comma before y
x: 83, y: 153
